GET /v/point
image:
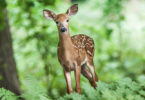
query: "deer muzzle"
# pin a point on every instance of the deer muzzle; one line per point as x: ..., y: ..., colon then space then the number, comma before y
x: 63, y: 29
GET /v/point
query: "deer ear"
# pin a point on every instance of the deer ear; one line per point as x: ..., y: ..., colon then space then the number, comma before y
x: 72, y: 10
x: 49, y: 14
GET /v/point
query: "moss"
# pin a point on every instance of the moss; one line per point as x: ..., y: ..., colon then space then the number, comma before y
x: 1, y: 77
x: 5, y: 65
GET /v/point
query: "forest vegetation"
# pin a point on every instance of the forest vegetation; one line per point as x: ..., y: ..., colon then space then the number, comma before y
x: 29, y: 67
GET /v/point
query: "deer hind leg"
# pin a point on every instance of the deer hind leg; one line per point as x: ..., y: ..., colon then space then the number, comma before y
x: 96, y: 78
x: 89, y: 72
x: 90, y: 64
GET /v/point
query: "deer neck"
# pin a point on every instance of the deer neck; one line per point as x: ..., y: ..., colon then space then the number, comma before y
x: 65, y: 41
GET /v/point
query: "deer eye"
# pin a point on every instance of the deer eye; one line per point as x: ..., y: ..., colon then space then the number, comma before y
x: 56, y: 22
x: 67, y: 20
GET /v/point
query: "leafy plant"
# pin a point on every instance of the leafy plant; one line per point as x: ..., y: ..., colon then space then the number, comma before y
x: 7, y: 95
x: 123, y: 89
x: 34, y: 89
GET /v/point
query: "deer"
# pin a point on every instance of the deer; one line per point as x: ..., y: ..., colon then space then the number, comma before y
x: 75, y: 53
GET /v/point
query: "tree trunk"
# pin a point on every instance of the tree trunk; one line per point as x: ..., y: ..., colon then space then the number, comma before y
x: 8, y: 71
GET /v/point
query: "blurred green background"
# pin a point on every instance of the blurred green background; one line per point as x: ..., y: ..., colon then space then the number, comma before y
x: 117, y: 27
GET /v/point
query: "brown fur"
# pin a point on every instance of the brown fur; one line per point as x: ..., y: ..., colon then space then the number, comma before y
x: 74, y: 53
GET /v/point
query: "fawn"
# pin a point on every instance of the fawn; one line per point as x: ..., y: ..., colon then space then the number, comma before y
x: 74, y: 53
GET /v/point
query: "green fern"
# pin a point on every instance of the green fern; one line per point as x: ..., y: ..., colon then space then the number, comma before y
x: 124, y: 89
x: 7, y: 95
x: 33, y: 89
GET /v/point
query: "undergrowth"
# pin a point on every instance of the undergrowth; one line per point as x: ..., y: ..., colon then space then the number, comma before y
x: 123, y: 89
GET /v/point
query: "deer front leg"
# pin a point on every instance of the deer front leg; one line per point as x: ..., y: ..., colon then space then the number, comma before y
x: 77, y: 77
x: 68, y: 81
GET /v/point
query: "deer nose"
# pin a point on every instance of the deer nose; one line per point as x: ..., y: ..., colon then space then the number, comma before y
x: 63, y: 29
